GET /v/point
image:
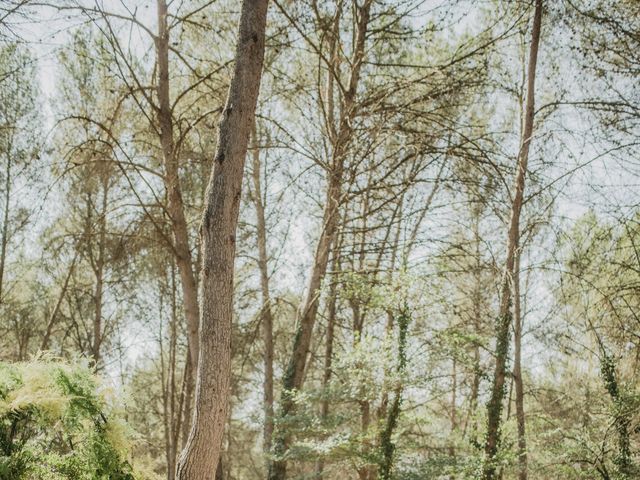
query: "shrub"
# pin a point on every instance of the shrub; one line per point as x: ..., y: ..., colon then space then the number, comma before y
x: 57, y: 422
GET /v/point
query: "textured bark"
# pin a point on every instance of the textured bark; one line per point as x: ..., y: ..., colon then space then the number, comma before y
x: 175, y: 205
x: 494, y: 406
x: 307, y: 313
x: 266, y: 314
x: 218, y: 229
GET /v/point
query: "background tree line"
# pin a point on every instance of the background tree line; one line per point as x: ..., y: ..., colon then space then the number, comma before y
x: 435, y: 267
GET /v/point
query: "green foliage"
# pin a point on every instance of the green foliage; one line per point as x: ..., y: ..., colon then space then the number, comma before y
x: 622, y: 412
x: 58, y: 422
x: 387, y: 445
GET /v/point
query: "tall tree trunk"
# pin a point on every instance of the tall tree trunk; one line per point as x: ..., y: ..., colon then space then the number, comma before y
x: 386, y: 437
x: 5, y: 224
x: 477, y: 330
x: 454, y: 408
x: 359, y: 314
x: 174, y: 405
x: 328, y: 351
x: 266, y: 314
x: 307, y: 313
x: 165, y: 386
x: 175, y: 205
x: 517, y: 372
x: 218, y: 230
x: 186, y: 400
x: 383, y: 410
x: 294, y: 374
x: 99, y: 271
x: 494, y: 406
x: 365, y: 422
x: 622, y: 417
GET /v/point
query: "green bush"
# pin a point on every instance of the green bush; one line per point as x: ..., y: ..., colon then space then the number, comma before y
x: 57, y: 422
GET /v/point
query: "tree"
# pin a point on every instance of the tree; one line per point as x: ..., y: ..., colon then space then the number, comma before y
x: 87, y: 139
x: 345, y: 288
x: 505, y: 316
x: 17, y: 142
x: 266, y: 311
x: 340, y: 129
x: 56, y: 423
x: 218, y: 230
